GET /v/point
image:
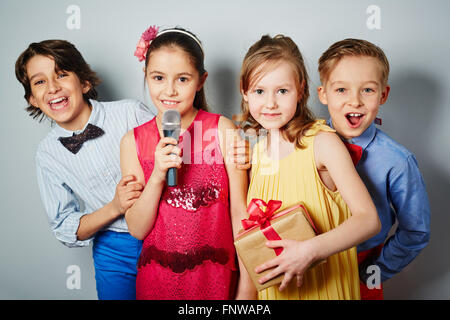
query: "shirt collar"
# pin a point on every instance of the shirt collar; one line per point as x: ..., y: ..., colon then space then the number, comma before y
x: 96, y: 118
x: 364, y: 139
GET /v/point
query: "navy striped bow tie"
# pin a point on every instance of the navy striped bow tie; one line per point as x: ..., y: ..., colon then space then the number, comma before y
x: 75, y: 142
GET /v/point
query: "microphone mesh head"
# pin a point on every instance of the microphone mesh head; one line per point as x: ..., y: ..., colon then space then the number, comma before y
x: 171, y: 119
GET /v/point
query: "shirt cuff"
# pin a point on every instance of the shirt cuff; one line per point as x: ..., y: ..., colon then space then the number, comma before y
x: 68, y: 236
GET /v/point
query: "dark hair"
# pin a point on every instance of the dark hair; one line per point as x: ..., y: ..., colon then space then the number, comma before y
x: 192, y: 48
x: 66, y: 57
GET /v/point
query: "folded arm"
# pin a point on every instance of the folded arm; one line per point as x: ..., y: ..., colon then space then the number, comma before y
x: 410, y: 202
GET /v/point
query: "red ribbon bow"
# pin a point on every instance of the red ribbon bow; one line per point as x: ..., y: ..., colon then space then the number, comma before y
x: 257, y: 215
x: 261, y: 218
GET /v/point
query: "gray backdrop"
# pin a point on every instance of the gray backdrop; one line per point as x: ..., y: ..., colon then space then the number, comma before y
x: 414, y: 35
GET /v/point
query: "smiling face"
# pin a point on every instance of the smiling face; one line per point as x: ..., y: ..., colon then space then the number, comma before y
x: 58, y: 93
x: 173, y: 81
x: 272, y: 99
x: 353, y: 92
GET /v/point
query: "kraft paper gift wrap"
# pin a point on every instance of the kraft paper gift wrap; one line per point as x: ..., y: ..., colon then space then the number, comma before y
x: 293, y: 223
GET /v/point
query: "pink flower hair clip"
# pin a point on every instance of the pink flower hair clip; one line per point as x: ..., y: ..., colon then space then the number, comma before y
x: 144, y: 42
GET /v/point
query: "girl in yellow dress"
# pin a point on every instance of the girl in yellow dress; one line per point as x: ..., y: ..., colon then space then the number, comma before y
x: 302, y: 159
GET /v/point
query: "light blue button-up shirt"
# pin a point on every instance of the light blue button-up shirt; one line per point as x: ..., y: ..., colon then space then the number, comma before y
x: 392, y: 177
x: 73, y: 185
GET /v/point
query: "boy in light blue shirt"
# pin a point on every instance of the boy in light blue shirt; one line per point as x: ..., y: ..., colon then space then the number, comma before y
x: 354, y: 76
x: 78, y: 166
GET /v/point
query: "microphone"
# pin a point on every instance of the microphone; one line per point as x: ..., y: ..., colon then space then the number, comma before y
x: 171, y: 128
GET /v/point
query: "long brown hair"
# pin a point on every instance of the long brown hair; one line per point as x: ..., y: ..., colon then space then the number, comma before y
x: 192, y: 48
x: 269, y: 50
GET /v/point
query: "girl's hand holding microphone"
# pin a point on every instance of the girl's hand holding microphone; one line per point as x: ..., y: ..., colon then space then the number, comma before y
x: 167, y: 155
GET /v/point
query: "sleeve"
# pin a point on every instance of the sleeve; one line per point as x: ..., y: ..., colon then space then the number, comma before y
x: 410, y: 201
x: 61, y: 205
x: 141, y: 114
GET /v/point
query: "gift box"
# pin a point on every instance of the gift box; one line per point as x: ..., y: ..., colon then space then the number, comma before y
x: 293, y: 223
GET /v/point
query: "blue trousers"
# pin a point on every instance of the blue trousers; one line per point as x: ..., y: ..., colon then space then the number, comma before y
x: 115, y: 259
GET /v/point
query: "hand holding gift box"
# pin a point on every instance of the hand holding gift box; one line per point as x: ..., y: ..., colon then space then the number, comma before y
x: 284, y: 230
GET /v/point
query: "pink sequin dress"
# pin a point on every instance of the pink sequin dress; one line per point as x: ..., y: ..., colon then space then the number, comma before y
x: 189, y: 253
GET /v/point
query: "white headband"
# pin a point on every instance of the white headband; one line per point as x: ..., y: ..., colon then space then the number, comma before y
x: 183, y: 32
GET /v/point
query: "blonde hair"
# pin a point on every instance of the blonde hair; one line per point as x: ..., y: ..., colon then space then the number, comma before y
x: 352, y: 47
x: 264, y: 52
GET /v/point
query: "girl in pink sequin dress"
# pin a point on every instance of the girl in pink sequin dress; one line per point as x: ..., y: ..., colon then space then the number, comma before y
x: 188, y: 250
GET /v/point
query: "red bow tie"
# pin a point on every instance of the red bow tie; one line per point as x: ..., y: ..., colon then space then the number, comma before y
x: 355, y: 152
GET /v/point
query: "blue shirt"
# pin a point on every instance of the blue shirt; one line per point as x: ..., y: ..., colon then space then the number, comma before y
x: 392, y: 177
x: 73, y: 185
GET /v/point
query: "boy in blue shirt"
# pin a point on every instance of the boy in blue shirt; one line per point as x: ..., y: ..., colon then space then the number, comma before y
x: 354, y: 75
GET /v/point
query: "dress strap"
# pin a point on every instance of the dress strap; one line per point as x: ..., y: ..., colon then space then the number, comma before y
x: 318, y: 125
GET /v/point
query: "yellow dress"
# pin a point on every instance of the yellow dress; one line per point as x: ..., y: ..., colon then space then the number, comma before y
x: 292, y: 179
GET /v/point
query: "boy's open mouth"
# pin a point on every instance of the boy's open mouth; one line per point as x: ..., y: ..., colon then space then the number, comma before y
x: 58, y: 103
x: 354, y: 119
